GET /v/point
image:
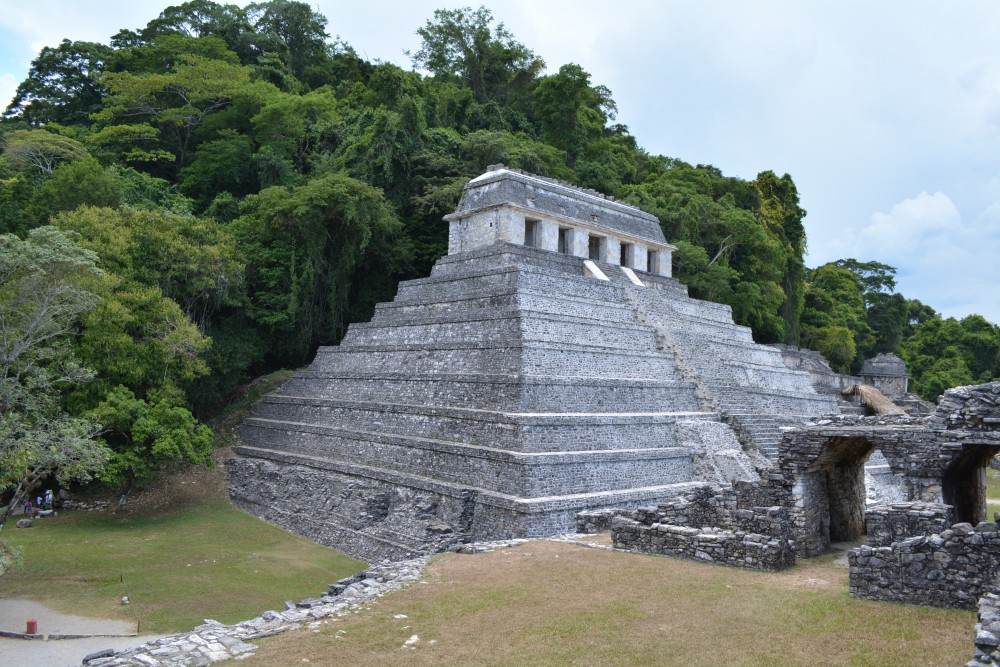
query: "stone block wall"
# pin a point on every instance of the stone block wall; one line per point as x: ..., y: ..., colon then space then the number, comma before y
x: 705, y: 524
x: 899, y: 521
x: 953, y: 568
x: 975, y: 408
x: 987, y: 639
x: 595, y: 521
x: 710, y: 545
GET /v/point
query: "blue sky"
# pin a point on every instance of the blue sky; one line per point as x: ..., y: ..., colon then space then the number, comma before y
x: 886, y: 114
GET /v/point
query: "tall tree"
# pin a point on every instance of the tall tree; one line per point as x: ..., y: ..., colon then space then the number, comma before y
x: 462, y: 43
x: 780, y: 213
x: 163, y: 111
x: 44, y: 282
x: 303, y: 246
x: 63, y: 84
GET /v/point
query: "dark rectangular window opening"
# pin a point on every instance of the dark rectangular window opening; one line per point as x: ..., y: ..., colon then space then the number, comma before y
x: 651, y: 261
x: 531, y: 233
x: 594, y: 247
x: 564, y: 240
x: 626, y: 257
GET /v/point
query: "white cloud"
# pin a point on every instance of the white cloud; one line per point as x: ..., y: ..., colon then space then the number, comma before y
x: 943, y: 260
x: 911, y: 225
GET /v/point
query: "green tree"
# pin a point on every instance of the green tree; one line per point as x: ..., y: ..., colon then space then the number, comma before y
x: 835, y: 298
x: 147, y: 437
x: 461, y: 43
x: 303, y: 246
x: 191, y: 261
x: 570, y: 112
x: 296, y: 34
x: 781, y: 214
x: 74, y: 184
x: 44, y: 291
x: 169, y: 107
x: 39, y: 152
x: 63, y: 84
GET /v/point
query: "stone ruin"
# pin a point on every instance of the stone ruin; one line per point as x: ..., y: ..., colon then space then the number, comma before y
x: 548, y: 365
x: 550, y: 374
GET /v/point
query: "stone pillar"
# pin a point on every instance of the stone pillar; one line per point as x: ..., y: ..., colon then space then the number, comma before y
x: 663, y: 263
x: 613, y: 254
x: 578, y: 240
x: 548, y: 235
x: 638, y: 258
x: 511, y: 226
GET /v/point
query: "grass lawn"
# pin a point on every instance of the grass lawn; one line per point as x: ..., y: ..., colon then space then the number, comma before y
x: 992, y: 485
x: 180, y: 551
x: 547, y: 603
x: 182, y: 555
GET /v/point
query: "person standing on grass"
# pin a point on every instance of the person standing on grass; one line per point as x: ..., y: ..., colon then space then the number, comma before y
x: 48, y: 499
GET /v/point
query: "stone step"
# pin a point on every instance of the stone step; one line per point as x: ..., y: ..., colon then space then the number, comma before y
x: 500, y: 391
x: 524, y: 476
x: 524, y: 432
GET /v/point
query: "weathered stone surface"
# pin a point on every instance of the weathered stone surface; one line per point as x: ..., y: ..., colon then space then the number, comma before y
x: 987, y: 633
x: 215, y: 642
x: 508, y: 391
x: 951, y: 569
x: 892, y: 523
x: 709, y: 525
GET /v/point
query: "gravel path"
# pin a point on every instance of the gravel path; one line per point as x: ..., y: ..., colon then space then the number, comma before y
x: 14, y: 613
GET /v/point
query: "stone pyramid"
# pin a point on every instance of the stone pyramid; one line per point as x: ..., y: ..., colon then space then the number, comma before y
x: 548, y: 365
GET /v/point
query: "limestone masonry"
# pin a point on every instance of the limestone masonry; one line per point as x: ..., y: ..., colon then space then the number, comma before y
x: 551, y: 375
x: 548, y: 365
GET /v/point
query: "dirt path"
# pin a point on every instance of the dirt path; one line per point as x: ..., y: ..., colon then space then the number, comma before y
x: 14, y: 613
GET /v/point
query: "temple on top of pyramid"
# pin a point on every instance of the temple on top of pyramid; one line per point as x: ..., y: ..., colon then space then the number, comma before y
x: 548, y: 365
x: 510, y: 206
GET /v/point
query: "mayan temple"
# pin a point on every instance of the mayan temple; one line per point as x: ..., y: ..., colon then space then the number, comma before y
x: 549, y: 364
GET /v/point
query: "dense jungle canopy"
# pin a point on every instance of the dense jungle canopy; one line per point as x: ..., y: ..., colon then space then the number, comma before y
x: 219, y: 192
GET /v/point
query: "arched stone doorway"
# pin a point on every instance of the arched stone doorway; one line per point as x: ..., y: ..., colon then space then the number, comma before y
x: 963, y: 484
x: 828, y: 492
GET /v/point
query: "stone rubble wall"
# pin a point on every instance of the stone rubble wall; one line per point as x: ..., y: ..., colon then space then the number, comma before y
x: 706, y: 524
x: 595, y: 521
x: 710, y: 545
x: 896, y: 522
x: 975, y: 408
x: 953, y: 568
x: 987, y: 638
x: 215, y: 642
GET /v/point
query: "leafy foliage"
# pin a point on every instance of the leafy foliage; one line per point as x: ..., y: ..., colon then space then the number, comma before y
x: 244, y: 188
x: 43, y: 293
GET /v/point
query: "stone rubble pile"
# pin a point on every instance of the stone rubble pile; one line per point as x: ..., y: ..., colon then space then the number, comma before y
x: 987, y: 640
x: 866, y: 420
x: 975, y: 408
x: 214, y: 641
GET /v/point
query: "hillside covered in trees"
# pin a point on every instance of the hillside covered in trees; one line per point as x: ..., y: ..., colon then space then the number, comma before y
x: 221, y: 191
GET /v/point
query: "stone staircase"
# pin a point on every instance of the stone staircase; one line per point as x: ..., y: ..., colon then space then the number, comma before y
x: 746, y: 383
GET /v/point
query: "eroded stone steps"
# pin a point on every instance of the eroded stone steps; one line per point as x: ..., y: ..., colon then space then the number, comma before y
x: 525, y: 475
x: 500, y: 391
x: 534, y: 358
x: 510, y: 324
x: 557, y: 303
x: 526, y: 432
x: 558, y: 512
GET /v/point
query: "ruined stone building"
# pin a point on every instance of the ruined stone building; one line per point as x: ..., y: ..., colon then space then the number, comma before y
x: 548, y: 365
x: 550, y: 375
